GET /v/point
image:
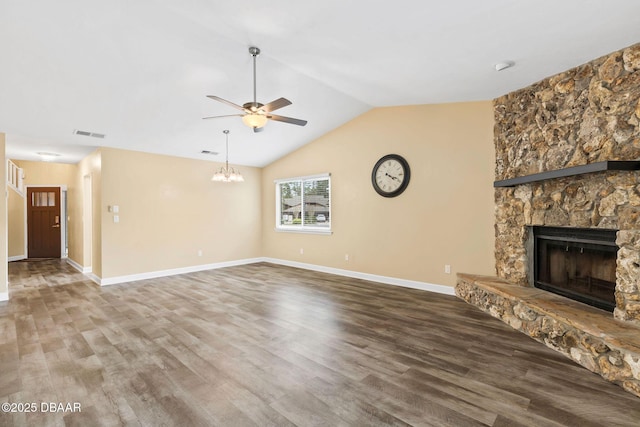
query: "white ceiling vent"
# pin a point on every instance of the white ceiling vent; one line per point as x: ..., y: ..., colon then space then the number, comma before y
x: 213, y: 153
x: 91, y: 134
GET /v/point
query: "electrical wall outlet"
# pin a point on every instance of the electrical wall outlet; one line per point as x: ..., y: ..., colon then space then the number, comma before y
x: 447, y: 269
x: 301, y: 251
x: 346, y: 257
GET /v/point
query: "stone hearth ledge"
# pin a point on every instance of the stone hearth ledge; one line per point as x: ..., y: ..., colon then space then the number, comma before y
x: 587, y: 335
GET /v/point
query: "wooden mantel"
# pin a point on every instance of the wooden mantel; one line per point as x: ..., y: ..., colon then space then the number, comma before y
x: 607, y: 165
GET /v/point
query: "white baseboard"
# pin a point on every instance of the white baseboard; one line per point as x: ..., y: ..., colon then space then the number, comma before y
x: 81, y: 269
x: 4, y: 296
x: 430, y: 287
x: 171, y: 272
x: 16, y: 258
x: 440, y: 289
x: 94, y: 278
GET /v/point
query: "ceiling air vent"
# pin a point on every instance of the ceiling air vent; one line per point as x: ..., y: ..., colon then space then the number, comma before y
x: 213, y: 153
x: 91, y: 134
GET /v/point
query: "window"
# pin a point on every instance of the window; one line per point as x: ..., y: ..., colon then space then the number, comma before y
x: 304, y: 204
x: 43, y: 198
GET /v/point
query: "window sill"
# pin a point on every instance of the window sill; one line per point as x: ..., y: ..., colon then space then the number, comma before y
x: 321, y: 231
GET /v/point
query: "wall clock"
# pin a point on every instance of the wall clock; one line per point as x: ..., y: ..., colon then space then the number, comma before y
x: 390, y: 175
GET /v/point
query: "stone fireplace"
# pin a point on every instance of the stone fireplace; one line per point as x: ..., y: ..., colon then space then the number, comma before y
x: 585, y: 116
x: 605, y: 201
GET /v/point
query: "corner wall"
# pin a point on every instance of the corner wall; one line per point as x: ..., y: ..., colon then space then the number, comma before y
x: 87, y: 258
x: 4, y: 293
x: 15, y: 221
x: 171, y: 215
x: 445, y: 216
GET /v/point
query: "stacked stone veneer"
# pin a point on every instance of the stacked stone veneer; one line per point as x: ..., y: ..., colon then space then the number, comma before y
x: 585, y: 115
x: 587, y: 335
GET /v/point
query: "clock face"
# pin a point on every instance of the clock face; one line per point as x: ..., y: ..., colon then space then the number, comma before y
x: 390, y: 175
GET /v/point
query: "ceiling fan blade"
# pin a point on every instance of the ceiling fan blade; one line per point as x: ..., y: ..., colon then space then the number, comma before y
x: 274, y: 105
x: 229, y: 103
x: 228, y: 115
x: 287, y: 120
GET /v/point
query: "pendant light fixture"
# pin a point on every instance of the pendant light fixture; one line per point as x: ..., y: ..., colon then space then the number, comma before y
x: 227, y: 174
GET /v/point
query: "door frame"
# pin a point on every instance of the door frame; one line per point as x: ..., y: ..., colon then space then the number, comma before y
x: 63, y: 219
x: 87, y: 223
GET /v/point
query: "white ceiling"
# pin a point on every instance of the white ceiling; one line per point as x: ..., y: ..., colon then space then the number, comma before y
x: 138, y: 70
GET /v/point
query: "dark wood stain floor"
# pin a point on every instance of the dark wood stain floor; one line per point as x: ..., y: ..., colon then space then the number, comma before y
x: 269, y: 345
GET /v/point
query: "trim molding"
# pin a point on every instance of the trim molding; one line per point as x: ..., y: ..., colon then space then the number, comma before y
x: 16, y: 258
x: 440, y: 289
x: 430, y: 287
x: 81, y: 269
x: 95, y: 279
x: 171, y: 272
x: 4, y: 296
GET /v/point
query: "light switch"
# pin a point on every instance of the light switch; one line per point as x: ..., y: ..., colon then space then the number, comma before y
x: 116, y: 208
x: 116, y: 219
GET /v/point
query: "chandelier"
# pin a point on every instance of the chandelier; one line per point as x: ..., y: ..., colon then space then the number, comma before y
x: 226, y: 173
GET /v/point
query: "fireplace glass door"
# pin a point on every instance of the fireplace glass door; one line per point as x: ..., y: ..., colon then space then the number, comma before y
x: 577, y: 263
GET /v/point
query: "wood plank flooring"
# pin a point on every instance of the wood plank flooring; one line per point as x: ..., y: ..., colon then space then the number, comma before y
x: 267, y: 345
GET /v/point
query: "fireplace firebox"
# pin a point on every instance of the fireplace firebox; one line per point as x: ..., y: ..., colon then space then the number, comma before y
x: 578, y: 263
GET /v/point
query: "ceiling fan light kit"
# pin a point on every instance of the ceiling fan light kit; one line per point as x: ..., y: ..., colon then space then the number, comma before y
x: 255, y: 120
x: 256, y: 114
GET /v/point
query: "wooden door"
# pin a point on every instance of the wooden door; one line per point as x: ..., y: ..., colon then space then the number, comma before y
x: 43, y: 222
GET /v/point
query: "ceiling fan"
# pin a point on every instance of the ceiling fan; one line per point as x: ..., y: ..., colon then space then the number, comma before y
x: 255, y: 114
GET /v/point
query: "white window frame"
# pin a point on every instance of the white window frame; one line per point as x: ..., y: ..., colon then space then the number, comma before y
x: 309, y: 229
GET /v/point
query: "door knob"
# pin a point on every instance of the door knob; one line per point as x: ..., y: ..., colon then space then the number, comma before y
x: 55, y: 226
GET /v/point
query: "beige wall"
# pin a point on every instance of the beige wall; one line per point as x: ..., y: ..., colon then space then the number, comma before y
x: 170, y: 209
x: 90, y: 256
x: 48, y: 173
x: 3, y: 223
x: 444, y: 217
x: 15, y: 221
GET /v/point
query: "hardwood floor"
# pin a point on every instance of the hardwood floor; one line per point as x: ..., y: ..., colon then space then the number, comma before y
x: 276, y: 346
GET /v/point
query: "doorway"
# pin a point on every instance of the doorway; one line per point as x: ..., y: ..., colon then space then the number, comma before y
x: 87, y: 224
x: 45, y: 225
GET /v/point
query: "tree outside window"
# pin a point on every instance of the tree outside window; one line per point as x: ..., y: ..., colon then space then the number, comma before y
x: 304, y: 203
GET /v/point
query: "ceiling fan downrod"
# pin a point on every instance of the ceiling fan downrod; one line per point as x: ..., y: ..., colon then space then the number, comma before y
x: 254, y: 51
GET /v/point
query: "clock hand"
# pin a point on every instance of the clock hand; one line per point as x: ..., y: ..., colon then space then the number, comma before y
x: 392, y: 177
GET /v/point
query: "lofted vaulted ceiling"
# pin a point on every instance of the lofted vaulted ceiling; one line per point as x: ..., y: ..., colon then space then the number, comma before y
x: 139, y: 71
